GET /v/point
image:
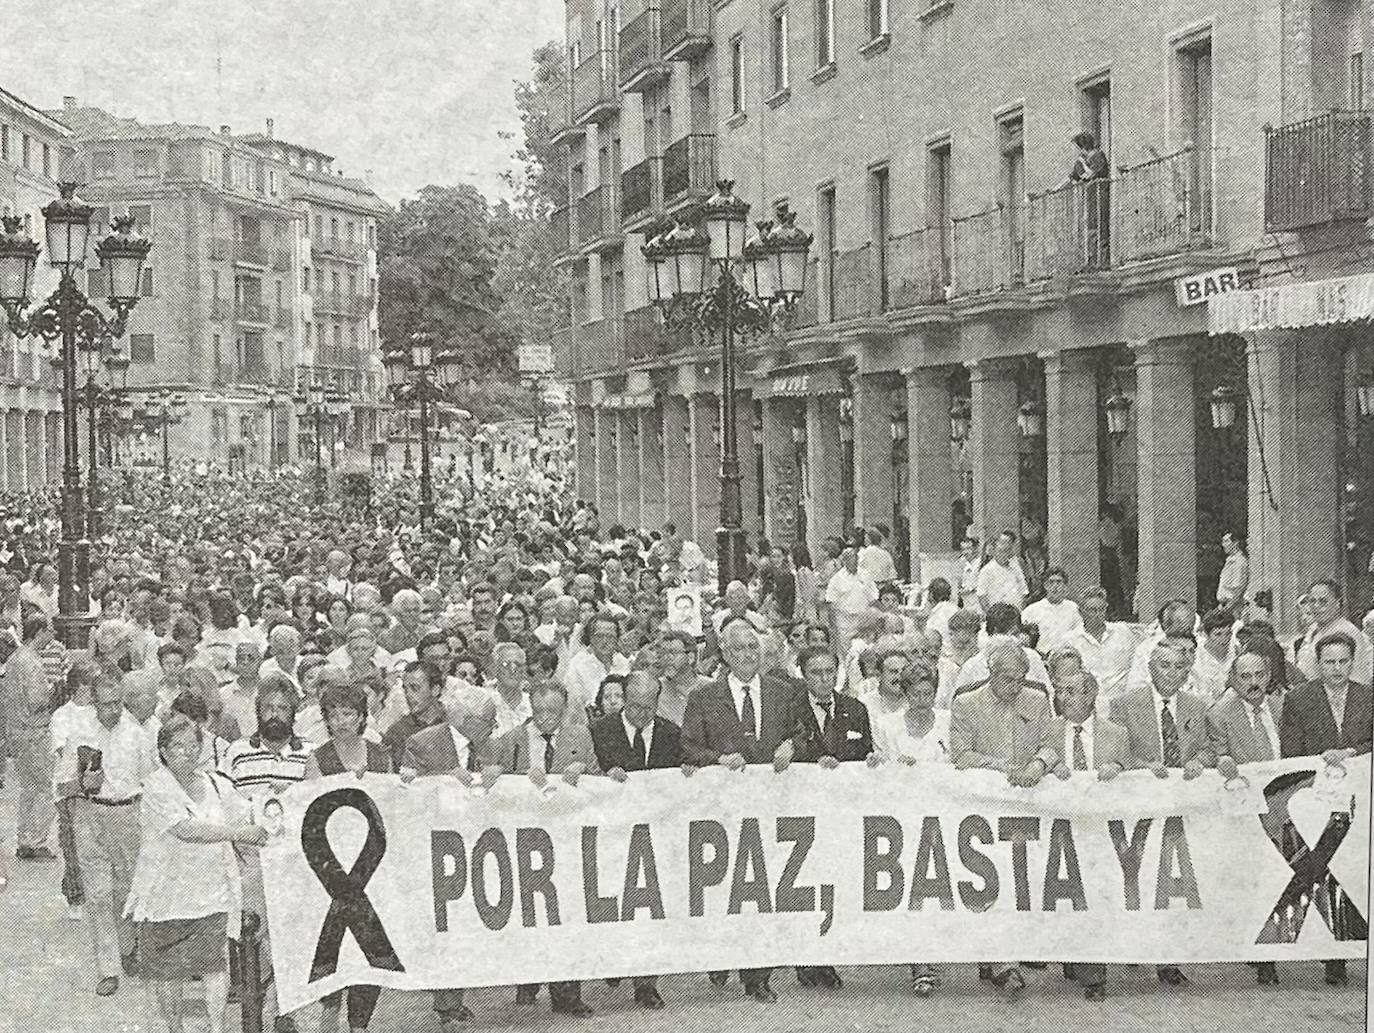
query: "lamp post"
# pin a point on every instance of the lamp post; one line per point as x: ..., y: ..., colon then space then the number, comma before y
x: 694, y: 275
x: 167, y: 410
x: 413, y: 370
x: 310, y: 406
x: 69, y: 316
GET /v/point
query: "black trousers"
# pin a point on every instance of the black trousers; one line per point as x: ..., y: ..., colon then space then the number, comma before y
x: 564, y: 993
x: 362, y: 1002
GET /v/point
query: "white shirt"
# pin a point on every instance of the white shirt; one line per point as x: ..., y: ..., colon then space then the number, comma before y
x: 999, y: 584
x: 891, y: 736
x: 585, y: 674
x: 462, y: 747
x: 1057, y: 622
x: 1266, y: 722
x: 737, y: 688
x: 876, y: 562
x: 1360, y: 669
x: 1209, y: 673
x: 509, y: 718
x: 851, y: 594
x: 1087, y: 727
x: 128, y: 756
x: 975, y: 671
x: 647, y: 730
x: 938, y: 621
x: 537, y: 745
x: 1107, y: 659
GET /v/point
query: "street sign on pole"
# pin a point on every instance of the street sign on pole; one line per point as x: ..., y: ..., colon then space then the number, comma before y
x: 536, y: 357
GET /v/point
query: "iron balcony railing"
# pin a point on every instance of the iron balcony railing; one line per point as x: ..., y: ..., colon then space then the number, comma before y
x: 253, y: 373
x: 689, y: 167
x: 252, y: 312
x: 1068, y: 230
x: 594, y: 84
x: 337, y: 247
x: 988, y: 252
x: 641, y: 189
x: 640, y: 47
x: 596, y: 216
x: 1318, y: 171
x: 855, y: 294
x: 250, y: 251
x: 917, y: 268
x: 1164, y: 206
x: 686, y: 28
x: 601, y: 347
x: 560, y: 105
x: 561, y: 221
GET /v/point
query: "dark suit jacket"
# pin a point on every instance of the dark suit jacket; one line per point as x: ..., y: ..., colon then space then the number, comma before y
x: 1135, y: 711
x: 1232, y: 734
x: 1308, y: 728
x: 711, y: 726
x: 431, y: 751
x: 1111, y: 742
x: 613, y: 746
x: 571, y: 743
x: 850, y: 738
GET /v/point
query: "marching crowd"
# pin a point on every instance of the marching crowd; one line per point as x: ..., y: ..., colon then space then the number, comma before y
x: 244, y: 641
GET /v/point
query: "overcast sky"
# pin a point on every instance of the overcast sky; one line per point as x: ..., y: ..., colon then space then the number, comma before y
x: 417, y: 91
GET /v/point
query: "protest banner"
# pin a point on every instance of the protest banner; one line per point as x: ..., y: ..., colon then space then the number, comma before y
x: 433, y: 884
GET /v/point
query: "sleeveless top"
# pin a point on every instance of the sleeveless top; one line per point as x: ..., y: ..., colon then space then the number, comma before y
x: 378, y: 759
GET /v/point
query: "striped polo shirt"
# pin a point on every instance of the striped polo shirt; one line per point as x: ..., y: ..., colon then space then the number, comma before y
x: 256, y: 770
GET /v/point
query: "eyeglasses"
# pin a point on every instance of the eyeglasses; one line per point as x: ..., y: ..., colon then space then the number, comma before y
x: 185, y: 749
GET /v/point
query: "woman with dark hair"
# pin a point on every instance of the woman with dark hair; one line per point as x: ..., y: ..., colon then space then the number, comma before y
x: 303, y: 607
x: 610, y: 698
x: 186, y: 896
x: 333, y: 613
x: 219, y: 641
x: 808, y: 587
x: 513, y: 623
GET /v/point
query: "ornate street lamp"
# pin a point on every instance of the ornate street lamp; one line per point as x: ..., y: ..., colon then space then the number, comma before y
x: 421, y: 363
x: 898, y: 426
x: 69, y: 316
x: 1030, y: 419
x: 1118, y: 407
x: 960, y: 419
x: 1223, y: 404
x: 1364, y: 395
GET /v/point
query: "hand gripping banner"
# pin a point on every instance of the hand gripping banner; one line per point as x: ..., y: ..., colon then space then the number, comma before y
x: 433, y: 884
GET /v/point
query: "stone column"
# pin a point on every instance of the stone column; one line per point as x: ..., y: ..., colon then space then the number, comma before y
x: 586, y: 453
x: 651, y: 501
x: 781, y: 478
x: 994, y: 449
x: 16, y: 455
x: 872, y: 451
x: 5, y: 450
x: 824, y: 509
x: 677, y: 463
x: 605, y: 467
x: 1071, y: 461
x: 37, y: 450
x: 1294, y: 440
x: 1167, y: 472
x: 705, y: 414
x: 930, y: 465
x: 627, y: 482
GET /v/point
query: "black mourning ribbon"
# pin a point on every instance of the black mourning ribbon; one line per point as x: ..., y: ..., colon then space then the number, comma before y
x: 1312, y: 882
x: 349, y: 906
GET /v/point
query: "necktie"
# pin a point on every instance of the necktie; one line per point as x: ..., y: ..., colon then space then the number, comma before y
x: 1266, y: 745
x: 640, y: 751
x: 1173, y: 756
x: 474, y: 762
x: 747, y: 713
x: 828, y: 717
x: 548, y: 751
x: 1080, y: 752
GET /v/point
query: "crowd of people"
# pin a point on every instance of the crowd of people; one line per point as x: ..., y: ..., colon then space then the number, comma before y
x: 245, y: 640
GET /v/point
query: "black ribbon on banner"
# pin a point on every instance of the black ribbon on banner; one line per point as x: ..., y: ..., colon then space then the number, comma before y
x: 349, y: 906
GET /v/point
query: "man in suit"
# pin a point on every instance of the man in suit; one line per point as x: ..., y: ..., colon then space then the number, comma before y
x: 637, y: 739
x: 1243, y: 727
x: 1004, y: 726
x: 829, y: 728
x: 547, y: 744
x: 1309, y: 725
x: 461, y: 747
x: 743, y: 717
x: 1168, y: 729
x: 1087, y: 742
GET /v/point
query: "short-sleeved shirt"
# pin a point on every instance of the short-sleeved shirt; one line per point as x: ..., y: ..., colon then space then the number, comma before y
x: 256, y: 770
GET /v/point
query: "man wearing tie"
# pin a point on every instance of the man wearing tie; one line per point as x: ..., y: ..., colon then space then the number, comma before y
x: 1168, y: 729
x: 1087, y: 743
x: 741, y: 718
x: 830, y: 728
x: 460, y: 747
x: 548, y: 744
x: 1330, y: 717
x: 638, y: 740
x: 1243, y: 727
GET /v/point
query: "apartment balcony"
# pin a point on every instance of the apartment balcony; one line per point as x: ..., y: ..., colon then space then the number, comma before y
x: 1164, y: 206
x: 598, y: 222
x: 685, y: 26
x: 641, y: 65
x: 856, y: 294
x: 641, y: 193
x: 1318, y: 172
x: 917, y: 268
x: 247, y: 252
x: 595, y: 97
x: 1068, y: 231
x: 337, y: 247
x: 255, y: 373
x: 989, y: 251
x: 601, y: 347
x: 689, y: 170
x: 563, y: 223
x: 647, y: 338
x: 562, y: 125
x: 252, y: 312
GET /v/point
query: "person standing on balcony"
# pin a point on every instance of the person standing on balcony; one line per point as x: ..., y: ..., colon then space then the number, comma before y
x: 1089, y: 206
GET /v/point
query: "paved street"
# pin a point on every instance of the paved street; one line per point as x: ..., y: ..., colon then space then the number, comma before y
x: 46, y: 989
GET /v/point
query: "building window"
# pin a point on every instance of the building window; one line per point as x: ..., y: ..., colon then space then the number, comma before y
x: 215, y: 355
x: 877, y: 18
x: 102, y: 165
x: 371, y: 235
x: 25, y: 150
x: 305, y: 279
x: 47, y: 161
x: 219, y: 426
x: 777, y: 48
x: 829, y: 245
x: 319, y: 227
x: 334, y: 228
x: 5, y: 142
x: 825, y: 33
x: 1097, y: 113
x: 880, y: 218
x: 737, y: 74
x: 1012, y: 145
x: 939, y: 185
x: 145, y: 164
x: 272, y: 182
x: 141, y: 349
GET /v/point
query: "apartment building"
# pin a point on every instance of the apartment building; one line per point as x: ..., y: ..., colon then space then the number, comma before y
x: 34, y: 148
x: 336, y: 251
x: 983, y: 343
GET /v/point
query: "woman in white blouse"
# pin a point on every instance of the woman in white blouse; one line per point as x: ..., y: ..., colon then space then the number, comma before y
x: 186, y: 896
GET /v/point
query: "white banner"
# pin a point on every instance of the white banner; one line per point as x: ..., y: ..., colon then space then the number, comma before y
x: 435, y: 885
x: 1292, y: 305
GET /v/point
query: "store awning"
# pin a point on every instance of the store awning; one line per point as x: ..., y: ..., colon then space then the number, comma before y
x: 1292, y: 305
x: 641, y: 400
x: 802, y: 382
